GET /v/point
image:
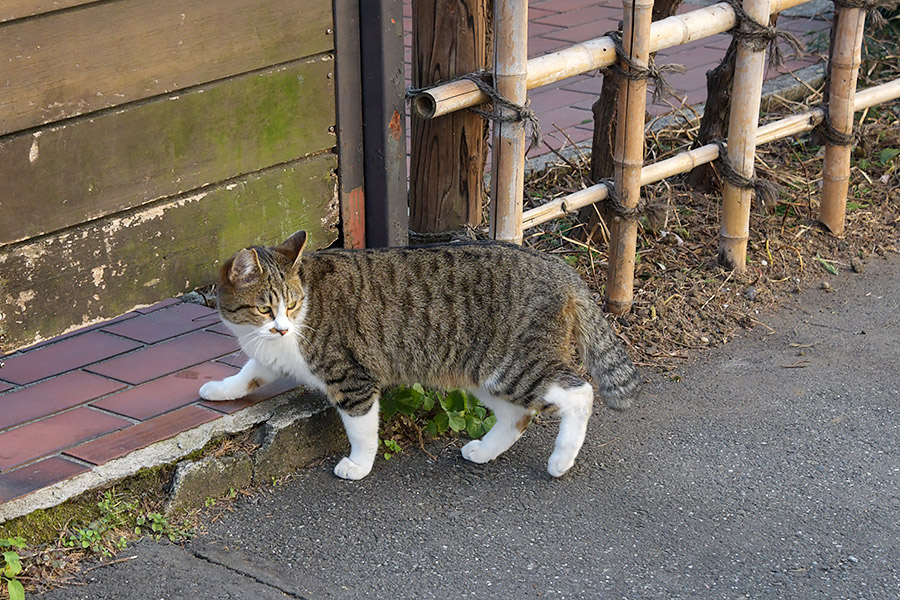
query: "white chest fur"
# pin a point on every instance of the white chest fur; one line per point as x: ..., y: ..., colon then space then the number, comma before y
x: 279, y: 353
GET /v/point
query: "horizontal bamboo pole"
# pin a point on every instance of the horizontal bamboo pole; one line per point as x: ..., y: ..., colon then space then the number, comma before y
x: 687, y: 161
x: 597, y: 53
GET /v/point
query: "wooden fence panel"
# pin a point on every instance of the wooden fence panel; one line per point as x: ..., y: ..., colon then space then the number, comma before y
x: 17, y: 9
x: 87, y: 168
x: 102, y: 55
x: 106, y: 267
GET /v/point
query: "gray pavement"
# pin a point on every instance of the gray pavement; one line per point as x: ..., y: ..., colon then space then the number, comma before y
x: 769, y: 470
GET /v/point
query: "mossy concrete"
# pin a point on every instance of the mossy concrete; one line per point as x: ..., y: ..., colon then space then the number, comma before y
x: 297, y: 434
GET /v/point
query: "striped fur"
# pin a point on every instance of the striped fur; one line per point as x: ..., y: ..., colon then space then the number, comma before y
x: 485, y: 316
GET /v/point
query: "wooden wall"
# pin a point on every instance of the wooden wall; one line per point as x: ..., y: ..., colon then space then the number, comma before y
x: 143, y: 141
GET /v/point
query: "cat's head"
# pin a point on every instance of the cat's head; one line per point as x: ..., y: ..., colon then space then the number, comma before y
x: 259, y: 289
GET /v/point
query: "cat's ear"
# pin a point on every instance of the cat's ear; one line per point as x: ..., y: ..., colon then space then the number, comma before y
x: 293, y: 247
x: 245, y: 268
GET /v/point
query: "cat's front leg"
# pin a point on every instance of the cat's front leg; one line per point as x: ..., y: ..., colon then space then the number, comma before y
x: 250, y: 377
x: 362, y: 431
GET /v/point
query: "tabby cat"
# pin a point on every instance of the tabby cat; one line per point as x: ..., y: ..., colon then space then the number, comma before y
x: 493, y: 318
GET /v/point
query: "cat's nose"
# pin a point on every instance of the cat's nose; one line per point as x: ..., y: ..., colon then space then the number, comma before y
x: 278, y: 331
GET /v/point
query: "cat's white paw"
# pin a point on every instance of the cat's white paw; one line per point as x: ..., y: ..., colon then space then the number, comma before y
x: 347, y: 469
x: 219, y: 390
x: 476, y: 452
x: 559, y: 463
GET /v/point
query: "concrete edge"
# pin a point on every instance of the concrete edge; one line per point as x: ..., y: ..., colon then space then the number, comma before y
x: 790, y: 86
x: 289, y: 406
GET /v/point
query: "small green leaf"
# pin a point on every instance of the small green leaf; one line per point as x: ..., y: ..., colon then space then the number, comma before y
x: 473, y: 427
x: 827, y: 265
x: 488, y: 423
x: 888, y: 154
x: 457, y: 423
x: 13, y: 566
x: 441, y: 422
x: 417, y: 387
x: 15, y: 589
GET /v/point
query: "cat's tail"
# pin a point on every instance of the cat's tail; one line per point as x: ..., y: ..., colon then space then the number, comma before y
x: 617, y: 380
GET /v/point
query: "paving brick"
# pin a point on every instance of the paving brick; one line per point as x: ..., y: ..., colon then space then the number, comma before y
x: 157, y: 306
x: 53, y: 395
x: 167, y: 357
x: 544, y: 100
x: 581, y: 33
x: 121, y: 443
x: 94, y: 327
x: 220, y: 328
x: 538, y: 46
x: 564, y: 5
x: 586, y: 14
x: 231, y: 406
x: 32, y: 441
x: 165, y: 323
x: 5, y: 387
x: 237, y: 360
x: 563, y: 118
x: 591, y: 85
x: 164, y: 394
x: 41, y: 474
x: 67, y: 355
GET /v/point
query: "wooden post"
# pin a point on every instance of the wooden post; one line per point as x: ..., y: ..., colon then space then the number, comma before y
x: 384, y: 132
x: 628, y: 156
x: 849, y: 25
x: 446, y: 189
x: 742, y: 123
x: 508, y: 165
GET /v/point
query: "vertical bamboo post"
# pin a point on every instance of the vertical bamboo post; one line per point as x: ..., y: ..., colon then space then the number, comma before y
x: 742, y: 123
x: 628, y: 156
x: 508, y: 149
x: 843, y: 66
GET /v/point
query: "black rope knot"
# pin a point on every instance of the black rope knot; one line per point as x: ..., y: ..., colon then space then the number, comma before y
x: 766, y: 191
x: 831, y: 135
x: 871, y: 7
x: 655, y: 212
x: 517, y: 112
x: 758, y: 36
x: 637, y: 72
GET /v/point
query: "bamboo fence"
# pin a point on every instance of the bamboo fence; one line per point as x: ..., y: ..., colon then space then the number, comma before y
x: 640, y: 39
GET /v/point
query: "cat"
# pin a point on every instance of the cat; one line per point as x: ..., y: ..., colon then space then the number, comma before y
x: 493, y: 318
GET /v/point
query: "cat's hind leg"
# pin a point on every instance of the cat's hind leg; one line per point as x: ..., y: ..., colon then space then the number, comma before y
x: 573, y: 400
x: 511, y: 422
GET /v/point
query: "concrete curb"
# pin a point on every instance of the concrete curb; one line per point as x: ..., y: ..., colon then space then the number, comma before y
x: 280, y: 419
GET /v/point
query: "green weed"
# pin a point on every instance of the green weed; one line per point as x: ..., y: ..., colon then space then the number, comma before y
x: 11, y: 567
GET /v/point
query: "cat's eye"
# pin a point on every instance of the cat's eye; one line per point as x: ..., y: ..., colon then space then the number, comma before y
x: 264, y: 310
x: 292, y: 305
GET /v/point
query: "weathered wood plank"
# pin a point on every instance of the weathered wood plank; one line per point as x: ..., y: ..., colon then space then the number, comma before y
x: 107, y: 267
x: 16, y: 9
x: 102, y: 55
x: 60, y: 176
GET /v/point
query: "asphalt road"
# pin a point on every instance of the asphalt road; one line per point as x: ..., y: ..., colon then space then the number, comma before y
x: 770, y: 469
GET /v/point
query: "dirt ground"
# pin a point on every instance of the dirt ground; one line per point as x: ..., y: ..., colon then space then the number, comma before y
x: 683, y: 300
